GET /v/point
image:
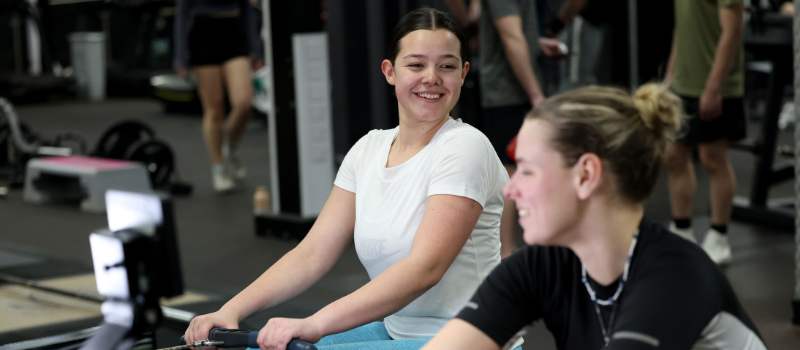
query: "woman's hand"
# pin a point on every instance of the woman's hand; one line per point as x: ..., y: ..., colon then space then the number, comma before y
x: 200, y: 325
x: 552, y: 48
x: 710, y: 104
x: 278, y: 332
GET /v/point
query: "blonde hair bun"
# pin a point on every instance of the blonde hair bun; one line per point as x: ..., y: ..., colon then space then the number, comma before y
x: 659, y: 109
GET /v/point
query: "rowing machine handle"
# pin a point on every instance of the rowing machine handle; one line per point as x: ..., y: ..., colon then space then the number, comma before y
x: 242, y: 338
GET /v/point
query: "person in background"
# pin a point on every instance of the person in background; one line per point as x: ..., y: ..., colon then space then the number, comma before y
x: 509, y: 45
x: 216, y: 41
x: 706, y: 69
x: 421, y: 202
x: 596, y: 272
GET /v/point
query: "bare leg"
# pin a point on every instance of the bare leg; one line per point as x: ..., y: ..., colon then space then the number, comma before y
x: 714, y: 157
x: 209, y: 82
x: 238, y: 78
x: 681, y: 180
x: 722, y: 180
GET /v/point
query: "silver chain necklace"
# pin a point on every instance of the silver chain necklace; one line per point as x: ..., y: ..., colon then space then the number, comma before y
x: 612, y: 301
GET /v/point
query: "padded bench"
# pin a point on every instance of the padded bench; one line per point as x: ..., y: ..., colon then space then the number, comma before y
x: 85, y: 179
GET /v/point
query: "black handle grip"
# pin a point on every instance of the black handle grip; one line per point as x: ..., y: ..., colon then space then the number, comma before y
x: 232, y: 338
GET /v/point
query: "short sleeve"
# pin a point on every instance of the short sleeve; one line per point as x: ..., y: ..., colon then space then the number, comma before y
x: 346, y: 176
x: 682, y: 287
x: 467, y: 166
x: 502, y: 8
x: 506, y: 301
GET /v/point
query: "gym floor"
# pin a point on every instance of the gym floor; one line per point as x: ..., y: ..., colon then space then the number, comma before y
x: 220, y: 253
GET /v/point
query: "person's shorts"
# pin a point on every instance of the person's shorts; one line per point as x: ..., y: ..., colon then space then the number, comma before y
x: 215, y: 40
x: 731, y: 125
x: 501, y: 124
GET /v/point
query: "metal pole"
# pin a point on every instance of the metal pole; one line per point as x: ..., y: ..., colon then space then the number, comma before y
x: 797, y: 164
x: 272, y: 137
x: 34, y: 285
x: 34, y: 42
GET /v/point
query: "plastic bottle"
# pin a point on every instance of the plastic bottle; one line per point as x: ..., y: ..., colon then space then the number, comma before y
x: 261, y: 203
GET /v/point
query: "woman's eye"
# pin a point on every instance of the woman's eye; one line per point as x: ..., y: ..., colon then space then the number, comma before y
x: 448, y: 66
x: 415, y: 65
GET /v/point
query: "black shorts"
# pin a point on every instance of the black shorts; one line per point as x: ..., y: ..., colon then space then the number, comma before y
x: 215, y: 40
x: 731, y: 125
x: 501, y: 124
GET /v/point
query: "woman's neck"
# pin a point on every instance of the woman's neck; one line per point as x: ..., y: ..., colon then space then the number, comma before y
x: 603, y: 245
x: 417, y: 135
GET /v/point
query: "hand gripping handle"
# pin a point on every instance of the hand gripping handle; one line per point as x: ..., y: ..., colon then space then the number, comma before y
x: 232, y: 338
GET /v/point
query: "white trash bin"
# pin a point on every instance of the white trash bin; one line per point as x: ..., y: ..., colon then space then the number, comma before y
x: 89, y: 63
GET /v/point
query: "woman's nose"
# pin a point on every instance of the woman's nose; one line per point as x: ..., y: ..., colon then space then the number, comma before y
x: 430, y: 75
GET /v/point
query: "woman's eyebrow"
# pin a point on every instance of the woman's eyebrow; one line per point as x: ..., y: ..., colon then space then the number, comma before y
x: 420, y: 56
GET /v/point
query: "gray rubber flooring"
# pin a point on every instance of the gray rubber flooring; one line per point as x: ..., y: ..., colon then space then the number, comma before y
x: 220, y: 253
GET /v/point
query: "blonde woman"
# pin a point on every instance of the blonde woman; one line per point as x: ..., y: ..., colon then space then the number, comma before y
x: 596, y: 272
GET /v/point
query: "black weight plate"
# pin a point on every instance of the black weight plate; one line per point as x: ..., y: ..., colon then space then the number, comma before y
x: 121, y: 138
x: 157, y: 158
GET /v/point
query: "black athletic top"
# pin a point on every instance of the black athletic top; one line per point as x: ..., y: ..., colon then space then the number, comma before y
x: 675, y: 298
x: 187, y: 10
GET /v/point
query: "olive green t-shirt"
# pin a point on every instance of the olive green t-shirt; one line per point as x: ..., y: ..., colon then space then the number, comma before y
x: 697, y: 32
x: 499, y: 85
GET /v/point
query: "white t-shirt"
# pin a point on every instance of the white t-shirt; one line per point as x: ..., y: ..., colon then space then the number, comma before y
x: 390, y: 203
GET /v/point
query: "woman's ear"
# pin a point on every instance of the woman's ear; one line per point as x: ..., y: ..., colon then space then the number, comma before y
x: 465, y: 70
x: 387, y: 68
x: 587, y: 175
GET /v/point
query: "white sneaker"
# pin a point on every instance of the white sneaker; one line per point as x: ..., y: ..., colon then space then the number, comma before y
x: 236, y: 169
x: 685, y: 233
x: 233, y: 165
x: 220, y: 180
x: 717, y: 247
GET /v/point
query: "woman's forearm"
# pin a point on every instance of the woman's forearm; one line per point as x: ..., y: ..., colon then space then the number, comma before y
x: 389, y: 292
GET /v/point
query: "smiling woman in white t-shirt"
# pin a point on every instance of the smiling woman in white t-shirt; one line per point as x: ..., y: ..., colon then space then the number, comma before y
x: 422, y: 203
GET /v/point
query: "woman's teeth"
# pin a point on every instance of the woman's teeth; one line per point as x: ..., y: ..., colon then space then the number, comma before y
x: 429, y: 96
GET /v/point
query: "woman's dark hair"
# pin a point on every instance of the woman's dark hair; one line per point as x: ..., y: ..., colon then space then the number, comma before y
x: 430, y: 19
